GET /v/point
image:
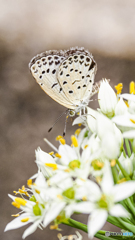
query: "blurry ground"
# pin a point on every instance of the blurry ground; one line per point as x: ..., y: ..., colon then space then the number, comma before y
x: 106, y: 28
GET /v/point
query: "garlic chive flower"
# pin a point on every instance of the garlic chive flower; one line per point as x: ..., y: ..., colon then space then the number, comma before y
x: 92, y: 173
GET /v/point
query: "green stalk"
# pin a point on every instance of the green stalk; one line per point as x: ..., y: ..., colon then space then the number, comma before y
x: 130, y: 206
x: 124, y: 152
x: 121, y: 224
x: 83, y: 227
x: 114, y: 221
x: 115, y: 174
x: 127, y: 226
x: 128, y: 147
x: 123, y: 170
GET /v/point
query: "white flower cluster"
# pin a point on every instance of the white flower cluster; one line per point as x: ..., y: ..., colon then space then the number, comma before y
x: 94, y: 176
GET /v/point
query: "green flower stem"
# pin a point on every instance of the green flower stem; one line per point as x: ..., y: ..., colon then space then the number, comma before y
x: 128, y: 147
x: 121, y: 224
x: 127, y: 226
x: 73, y: 223
x: 114, y: 221
x: 132, y: 148
x: 127, y: 220
x: 130, y: 206
x: 124, y: 152
x: 123, y: 170
x: 115, y: 174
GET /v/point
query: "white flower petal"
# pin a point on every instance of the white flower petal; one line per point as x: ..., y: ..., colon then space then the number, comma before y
x: 128, y: 96
x: 78, y: 120
x: 96, y: 221
x: 83, y: 207
x: 110, y: 146
x: 107, y: 182
x: 123, y: 190
x: 43, y: 156
x: 40, y: 180
x: 31, y: 229
x: 17, y: 223
x: 68, y: 154
x: 125, y: 120
x: 129, y: 134
x: 91, y: 119
x: 59, y: 177
x: 121, y: 107
x: 53, y: 212
x: 107, y: 99
x: 119, y: 211
x: 104, y: 125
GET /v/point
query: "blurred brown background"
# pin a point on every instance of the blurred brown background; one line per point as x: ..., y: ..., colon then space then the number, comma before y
x: 28, y: 27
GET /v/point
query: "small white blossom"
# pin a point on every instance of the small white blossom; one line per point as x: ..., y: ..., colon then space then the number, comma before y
x: 127, y: 163
x: 107, y: 99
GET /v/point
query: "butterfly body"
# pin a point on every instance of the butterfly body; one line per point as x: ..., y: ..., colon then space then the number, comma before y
x: 66, y: 76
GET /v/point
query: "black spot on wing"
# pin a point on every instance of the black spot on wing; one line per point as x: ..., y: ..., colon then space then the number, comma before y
x: 92, y: 65
x: 64, y: 82
x: 54, y: 71
x: 70, y: 91
x: 54, y: 85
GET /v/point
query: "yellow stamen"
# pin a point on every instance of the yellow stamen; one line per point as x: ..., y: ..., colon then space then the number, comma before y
x: 126, y: 102
x: 74, y: 141
x: 98, y: 179
x: 84, y: 198
x: 23, y: 187
x: 52, y: 165
x: 57, y: 155
x: 53, y: 226
x: 51, y: 153
x: 59, y: 235
x: 132, y: 120
x: 122, y: 180
x: 83, y: 179
x: 15, y: 192
x: 67, y: 170
x: 79, y: 124
x: 15, y: 215
x: 37, y: 191
x: 119, y: 88
x: 100, y: 164
x: 67, y: 116
x: 25, y: 219
x: 24, y: 192
x: 77, y: 132
x: 86, y: 146
x: 17, y: 205
x: 21, y: 191
x: 20, y: 201
x: 62, y: 141
x: 59, y: 137
x: 113, y: 163
x: 132, y: 87
x: 29, y: 182
x: 59, y: 196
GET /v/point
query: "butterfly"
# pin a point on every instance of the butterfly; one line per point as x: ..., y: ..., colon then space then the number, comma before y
x: 67, y: 76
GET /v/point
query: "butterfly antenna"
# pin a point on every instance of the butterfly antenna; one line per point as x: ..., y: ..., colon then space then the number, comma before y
x: 57, y: 120
x: 64, y: 133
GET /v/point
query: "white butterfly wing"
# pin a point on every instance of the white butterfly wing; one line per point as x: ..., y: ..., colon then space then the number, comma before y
x: 76, y: 76
x: 45, y: 68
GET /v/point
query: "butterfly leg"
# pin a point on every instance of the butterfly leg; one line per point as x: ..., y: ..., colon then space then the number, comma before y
x: 66, y: 120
